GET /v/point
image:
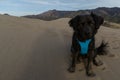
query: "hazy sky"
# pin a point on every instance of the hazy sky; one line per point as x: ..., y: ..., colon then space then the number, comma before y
x: 23, y: 7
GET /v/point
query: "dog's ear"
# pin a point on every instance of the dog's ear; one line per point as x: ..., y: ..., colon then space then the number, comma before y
x: 98, y: 20
x: 74, y: 22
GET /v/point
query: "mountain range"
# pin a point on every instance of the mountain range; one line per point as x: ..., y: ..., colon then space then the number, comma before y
x: 109, y: 14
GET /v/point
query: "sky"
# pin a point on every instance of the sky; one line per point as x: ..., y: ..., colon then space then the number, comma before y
x: 28, y: 7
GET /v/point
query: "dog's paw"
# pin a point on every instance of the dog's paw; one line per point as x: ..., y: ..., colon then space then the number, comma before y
x: 91, y: 74
x: 99, y: 63
x: 78, y: 61
x: 71, y: 69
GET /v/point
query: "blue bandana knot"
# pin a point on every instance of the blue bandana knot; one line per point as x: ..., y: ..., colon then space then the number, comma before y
x: 84, y: 46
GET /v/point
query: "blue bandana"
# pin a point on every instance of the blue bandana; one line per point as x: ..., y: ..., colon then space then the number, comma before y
x: 84, y: 46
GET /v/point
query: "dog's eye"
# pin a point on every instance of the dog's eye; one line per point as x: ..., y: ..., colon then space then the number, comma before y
x: 91, y: 23
x: 83, y: 23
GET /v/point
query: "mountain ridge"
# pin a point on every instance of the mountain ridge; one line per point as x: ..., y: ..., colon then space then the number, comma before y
x: 110, y: 14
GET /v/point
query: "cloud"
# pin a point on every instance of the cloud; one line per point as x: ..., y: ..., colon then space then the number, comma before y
x: 39, y: 2
x: 49, y: 2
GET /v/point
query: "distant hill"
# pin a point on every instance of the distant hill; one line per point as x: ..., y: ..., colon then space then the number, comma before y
x: 110, y: 14
x: 52, y: 15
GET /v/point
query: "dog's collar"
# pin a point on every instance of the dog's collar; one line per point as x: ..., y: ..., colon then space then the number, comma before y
x: 84, y: 46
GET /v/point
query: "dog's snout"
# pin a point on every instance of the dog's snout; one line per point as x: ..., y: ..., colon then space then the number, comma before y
x: 88, y: 32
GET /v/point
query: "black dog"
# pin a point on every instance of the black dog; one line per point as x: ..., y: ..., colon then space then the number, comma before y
x: 83, y: 43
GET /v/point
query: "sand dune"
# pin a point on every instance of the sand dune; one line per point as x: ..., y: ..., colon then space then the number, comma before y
x: 32, y: 49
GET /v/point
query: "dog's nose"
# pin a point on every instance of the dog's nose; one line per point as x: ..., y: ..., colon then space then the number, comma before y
x: 88, y: 32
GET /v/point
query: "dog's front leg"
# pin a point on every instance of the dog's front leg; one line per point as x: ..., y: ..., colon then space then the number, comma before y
x: 89, y: 70
x: 72, y: 66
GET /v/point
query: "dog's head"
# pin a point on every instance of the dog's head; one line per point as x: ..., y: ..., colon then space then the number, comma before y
x: 86, y: 25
